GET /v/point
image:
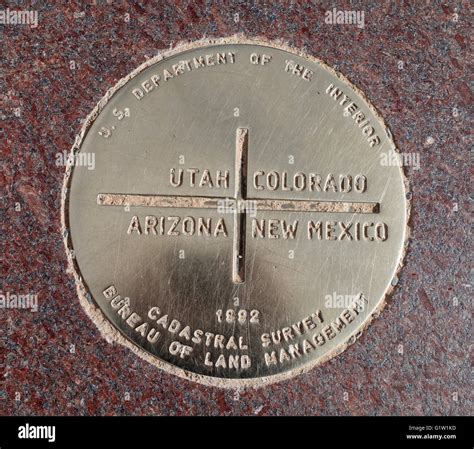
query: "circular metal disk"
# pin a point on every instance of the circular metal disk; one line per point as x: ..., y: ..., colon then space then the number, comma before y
x: 236, y: 211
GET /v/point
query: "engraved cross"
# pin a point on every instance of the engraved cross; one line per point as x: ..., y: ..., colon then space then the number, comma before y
x: 239, y: 201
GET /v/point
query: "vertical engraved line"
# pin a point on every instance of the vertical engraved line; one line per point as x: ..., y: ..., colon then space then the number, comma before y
x: 240, y: 189
x: 241, y: 143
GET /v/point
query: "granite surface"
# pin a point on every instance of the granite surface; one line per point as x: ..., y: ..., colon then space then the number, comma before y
x: 411, y: 60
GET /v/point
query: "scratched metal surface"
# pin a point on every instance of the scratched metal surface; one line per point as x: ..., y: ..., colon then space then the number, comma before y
x: 413, y: 358
x: 253, y: 298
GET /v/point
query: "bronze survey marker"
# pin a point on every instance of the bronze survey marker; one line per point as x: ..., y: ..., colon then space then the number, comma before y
x: 245, y: 215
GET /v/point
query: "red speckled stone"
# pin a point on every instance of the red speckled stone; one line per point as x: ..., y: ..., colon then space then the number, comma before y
x: 425, y: 101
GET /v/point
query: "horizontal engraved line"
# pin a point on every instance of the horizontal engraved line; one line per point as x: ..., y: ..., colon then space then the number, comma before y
x: 195, y: 202
x: 318, y: 206
x: 202, y: 202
